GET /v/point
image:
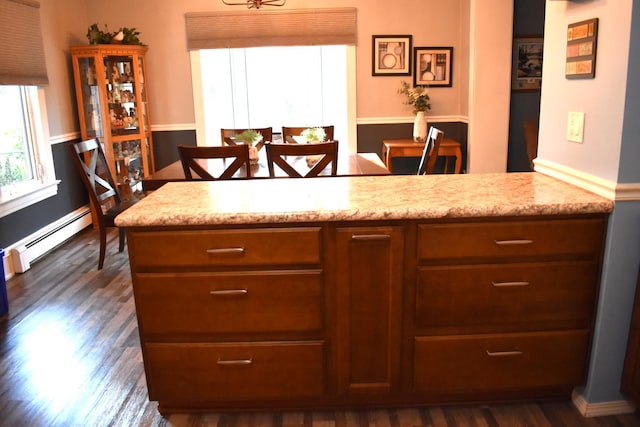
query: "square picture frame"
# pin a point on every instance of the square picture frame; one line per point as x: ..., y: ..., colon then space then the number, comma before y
x: 433, y: 66
x: 391, y: 55
x: 526, y: 68
x: 582, y: 43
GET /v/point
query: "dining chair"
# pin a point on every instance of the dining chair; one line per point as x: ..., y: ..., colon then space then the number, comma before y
x: 189, y: 155
x: 430, y: 152
x: 105, y: 200
x: 530, y: 127
x: 289, y: 132
x: 322, y: 153
x: 226, y: 135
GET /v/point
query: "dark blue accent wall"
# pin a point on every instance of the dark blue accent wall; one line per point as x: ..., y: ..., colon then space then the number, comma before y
x: 71, y: 196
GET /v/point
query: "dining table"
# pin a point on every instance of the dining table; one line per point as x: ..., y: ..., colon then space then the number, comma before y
x: 349, y: 164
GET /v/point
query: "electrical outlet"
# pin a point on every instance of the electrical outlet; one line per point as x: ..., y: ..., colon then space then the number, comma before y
x: 575, y: 127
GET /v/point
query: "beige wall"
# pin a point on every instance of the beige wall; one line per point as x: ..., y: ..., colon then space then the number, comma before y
x: 162, y: 27
x: 62, y: 26
x: 430, y: 22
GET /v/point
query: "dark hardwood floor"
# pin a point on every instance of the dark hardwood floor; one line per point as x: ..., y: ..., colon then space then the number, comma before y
x: 70, y: 356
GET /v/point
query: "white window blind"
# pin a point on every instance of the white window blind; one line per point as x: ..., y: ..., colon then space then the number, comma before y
x: 240, y: 91
x: 22, y: 61
x: 239, y: 29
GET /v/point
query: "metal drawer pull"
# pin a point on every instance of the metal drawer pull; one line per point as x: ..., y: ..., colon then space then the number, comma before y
x: 503, y: 353
x: 508, y: 284
x: 370, y: 237
x: 513, y: 242
x: 226, y: 251
x: 229, y: 292
x: 235, y: 362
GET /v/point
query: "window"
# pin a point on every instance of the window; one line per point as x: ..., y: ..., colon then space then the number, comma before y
x: 16, y: 156
x: 26, y: 164
x: 274, y: 86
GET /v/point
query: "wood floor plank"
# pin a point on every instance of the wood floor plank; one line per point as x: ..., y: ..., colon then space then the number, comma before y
x: 70, y: 356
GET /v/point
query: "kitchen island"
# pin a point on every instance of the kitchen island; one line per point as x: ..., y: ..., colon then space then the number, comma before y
x: 357, y: 291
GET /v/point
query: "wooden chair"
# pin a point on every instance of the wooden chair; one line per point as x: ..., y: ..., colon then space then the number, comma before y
x: 226, y: 135
x: 289, y: 132
x: 326, y: 152
x: 105, y: 200
x: 531, y: 138
x: 190, y: 154
x: 430, y: 152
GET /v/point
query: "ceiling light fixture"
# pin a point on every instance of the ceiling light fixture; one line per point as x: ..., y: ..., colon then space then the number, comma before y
x: 255, y: 4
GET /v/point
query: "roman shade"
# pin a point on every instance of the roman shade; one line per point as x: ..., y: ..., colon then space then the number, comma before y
x: 240, y: 29
x: 22, y: 61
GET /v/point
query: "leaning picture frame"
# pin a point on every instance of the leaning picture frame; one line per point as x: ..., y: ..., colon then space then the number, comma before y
x: 391, y: 55
x: 526, y: 68
x: 433, y: 66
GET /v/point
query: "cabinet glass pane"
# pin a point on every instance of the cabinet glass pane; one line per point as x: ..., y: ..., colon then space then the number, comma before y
x: 143, y: 94
x: 121, y: 90
x: 90, y: 97
x: 129, y: 167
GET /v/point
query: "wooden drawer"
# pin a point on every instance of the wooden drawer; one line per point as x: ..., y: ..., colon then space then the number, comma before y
x: 510, y: 239
x: 556, y: 293
x: 261, y: 301
x: 197, y: 373
x: 265, y: 246
x: 469, y: 363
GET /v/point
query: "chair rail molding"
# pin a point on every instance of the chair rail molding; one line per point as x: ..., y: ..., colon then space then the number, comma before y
x: 611, y: 190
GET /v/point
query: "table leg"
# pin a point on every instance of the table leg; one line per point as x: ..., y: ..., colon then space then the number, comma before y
x: 386, y: 158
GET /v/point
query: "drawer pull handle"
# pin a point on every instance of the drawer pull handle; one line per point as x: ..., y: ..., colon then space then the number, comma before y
x: 503, y: 353
x: 229, y: 292
x: 370, y: 237
x: 513, y: 242
x: 509, y: 284
x: 235, y: 362
x: 225, y: 251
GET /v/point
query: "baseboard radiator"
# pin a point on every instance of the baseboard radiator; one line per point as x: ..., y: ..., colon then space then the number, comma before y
x: 20, y: 255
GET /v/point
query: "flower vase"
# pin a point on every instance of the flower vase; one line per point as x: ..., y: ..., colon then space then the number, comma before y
x: 420, y: 127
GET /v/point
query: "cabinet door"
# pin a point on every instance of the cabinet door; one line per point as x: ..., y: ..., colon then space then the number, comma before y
x: 369, y: 271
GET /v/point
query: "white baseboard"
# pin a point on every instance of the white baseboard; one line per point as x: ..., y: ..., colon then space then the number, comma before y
x: 601, y: 409
x: 44, y: 240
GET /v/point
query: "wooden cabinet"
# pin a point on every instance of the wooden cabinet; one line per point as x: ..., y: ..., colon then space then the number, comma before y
x: 113, y: 105
x: 230, y: 317
x: 504, y: 306
x: 356, y: 313
x: 369, y: 267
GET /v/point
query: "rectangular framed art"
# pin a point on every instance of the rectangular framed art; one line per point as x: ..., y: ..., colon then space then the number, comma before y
x: 526, y: 70
x: 582, y: 40
x: 391, y: 55
x: 433, y: 66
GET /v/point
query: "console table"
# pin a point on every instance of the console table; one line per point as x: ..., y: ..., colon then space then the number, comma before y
x: 449, y: 148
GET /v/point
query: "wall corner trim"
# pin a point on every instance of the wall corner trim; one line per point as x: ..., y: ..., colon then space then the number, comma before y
x: 619, y: 192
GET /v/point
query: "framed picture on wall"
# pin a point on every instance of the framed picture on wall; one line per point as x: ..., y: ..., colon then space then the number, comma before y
x: 391, y: 55
x: 433, y: 66
x: 526, y: 70
x: 582, y: 38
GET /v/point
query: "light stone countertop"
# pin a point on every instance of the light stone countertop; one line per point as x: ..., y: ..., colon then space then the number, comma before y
x: 360, y: 198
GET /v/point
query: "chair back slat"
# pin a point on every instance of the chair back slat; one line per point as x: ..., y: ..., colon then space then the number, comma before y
x: 430, y: 152
x: 226, y: 135
x: 324, y: 153
x: 289, y: 132
x: 237, y: 154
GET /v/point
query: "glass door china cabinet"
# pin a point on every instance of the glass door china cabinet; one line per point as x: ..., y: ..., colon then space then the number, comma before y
x: 113, y: 106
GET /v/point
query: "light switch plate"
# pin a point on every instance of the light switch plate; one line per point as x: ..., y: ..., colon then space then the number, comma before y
x: 575, y: 126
